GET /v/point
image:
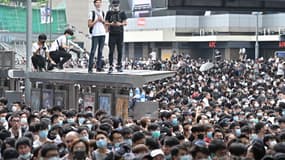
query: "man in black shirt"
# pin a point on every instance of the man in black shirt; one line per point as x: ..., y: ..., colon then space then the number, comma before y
x: 116, y: 20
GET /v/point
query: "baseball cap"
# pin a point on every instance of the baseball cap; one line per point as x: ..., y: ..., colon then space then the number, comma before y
x: 156, y: 152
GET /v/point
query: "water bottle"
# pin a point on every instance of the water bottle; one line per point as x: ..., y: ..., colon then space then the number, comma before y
x: 143, y: 96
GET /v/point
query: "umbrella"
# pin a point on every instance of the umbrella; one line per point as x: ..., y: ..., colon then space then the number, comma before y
x: 206, y: 66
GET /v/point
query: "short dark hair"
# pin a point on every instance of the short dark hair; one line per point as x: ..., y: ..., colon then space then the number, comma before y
x: 42, y: 37
x: 23, y: 141
x: 69, y: 31
x: 4, y: 100
x: 10, y: 153
x: 137, y: 136
x: 48, y: 147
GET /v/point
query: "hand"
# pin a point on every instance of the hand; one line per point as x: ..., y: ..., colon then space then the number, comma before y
x: 52, y: 62
x: 100, y: 19
x: 118, y: 24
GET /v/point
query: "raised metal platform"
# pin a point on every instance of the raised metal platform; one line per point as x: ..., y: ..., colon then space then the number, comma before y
x: 127, y: 78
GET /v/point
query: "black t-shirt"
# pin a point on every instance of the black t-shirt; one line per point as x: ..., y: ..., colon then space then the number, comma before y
x: 113, y: 16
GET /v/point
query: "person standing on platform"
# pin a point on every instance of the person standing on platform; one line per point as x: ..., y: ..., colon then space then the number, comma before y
x: 116, y: 20
x: 58, y: 50
x: 97, y: 30
x: 40, y: 51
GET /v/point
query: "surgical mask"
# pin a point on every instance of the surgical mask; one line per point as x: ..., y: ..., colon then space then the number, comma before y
x: 85, y: 138
x: 155, y: 134
x: 210, y: 134
x: 54, y: 158
x: 69, y: 37
x: 3, y: 120
x: 259, y: 114
x: 117, y: 145
x: 168, y: 157
x: 236, y: 118
x: 70, y: 120
x: 79, y: 154
x: 185, y: 157
x: 238, y: 132
x: 43, y: 134
x: 24, y: 120
x: 102, y: 143
x: 60, y: 123
x: 129, y: 141
x: 81, y: 120
x: 26, y: 156
x: 116, y: 8
x: 175, y: 121
x: 14, y: 108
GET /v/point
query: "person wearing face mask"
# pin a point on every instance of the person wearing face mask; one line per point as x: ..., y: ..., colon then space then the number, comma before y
x: 49, y: 151
x: 80, y: 150
x: 24, y: 148
x: 180, y: 152
x: 43, y: 133
x: 83, y: 132
x: 59, y: 50
x: 101, y: 142
x: 40, y: 51
x: 116, y: 20
x: 169, y: 142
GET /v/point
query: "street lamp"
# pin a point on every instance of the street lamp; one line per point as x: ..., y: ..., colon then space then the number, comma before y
x: 256, y: 33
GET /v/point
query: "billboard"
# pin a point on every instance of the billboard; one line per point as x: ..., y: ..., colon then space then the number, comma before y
x: 140, y: 8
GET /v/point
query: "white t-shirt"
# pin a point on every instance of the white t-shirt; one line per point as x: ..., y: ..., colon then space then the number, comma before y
x: 98, y: 28
x: 36, y: 46
x: 62, y: 40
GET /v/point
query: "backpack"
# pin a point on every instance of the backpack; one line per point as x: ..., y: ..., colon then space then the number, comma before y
x: 93, y: 18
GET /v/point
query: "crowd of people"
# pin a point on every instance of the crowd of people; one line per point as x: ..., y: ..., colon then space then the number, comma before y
x: 235, y: 110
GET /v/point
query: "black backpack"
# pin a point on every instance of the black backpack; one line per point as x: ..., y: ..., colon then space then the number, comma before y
x: 93, y: 18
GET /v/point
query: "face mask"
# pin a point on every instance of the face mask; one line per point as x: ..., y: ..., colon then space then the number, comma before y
x: 69, y: 37
x: 24, y: 120
x: 85, y: 138
x: 54, y: 158
x: 236, y: 118
x: 70, y: 120
x: 175, y: 121
x: 116, y: 8
x: 81, y: 120
x: 259, y: 114
x: 238, y: 132
x: 43, y: 134
x: 201, y: 136
x: 26, y: 156
x: 14, y: 109
x: 117, y: 145
x: 210, y: 134
x: 129, y: 141
x: 102, y: 143
x: 155, y: 134
x: 168, y: 157
x: 79, y: 154
x: 60, y: 123
x: 3, y: 120
x: 185, y: 157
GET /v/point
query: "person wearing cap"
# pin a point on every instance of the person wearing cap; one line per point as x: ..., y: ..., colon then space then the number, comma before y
x: 58, y: 50
x: 97, y: 23
x: 116, y: 20
x: 157, y: 154
x: 40, y: 51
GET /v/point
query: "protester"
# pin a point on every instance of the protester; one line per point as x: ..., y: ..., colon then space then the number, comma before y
x: 235, y: 110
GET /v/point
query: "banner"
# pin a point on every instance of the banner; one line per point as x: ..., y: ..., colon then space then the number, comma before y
x: 46, y: 16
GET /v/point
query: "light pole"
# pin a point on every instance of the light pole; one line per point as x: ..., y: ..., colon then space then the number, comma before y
x: 256, y: 33
x: 29, y: 51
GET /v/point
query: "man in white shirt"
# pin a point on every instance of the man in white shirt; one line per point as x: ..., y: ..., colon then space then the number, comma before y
x: 40, y: 51
x: 58, y: 50
x: 97, y: 25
